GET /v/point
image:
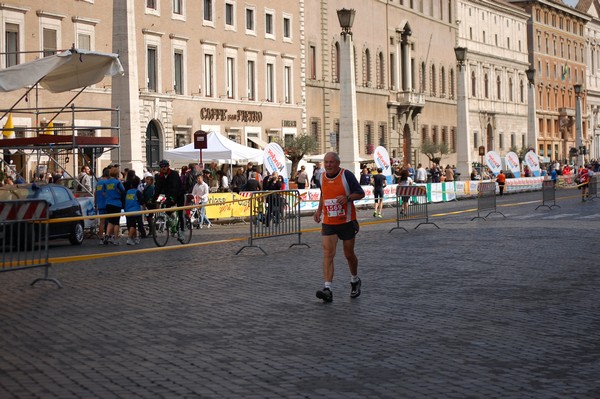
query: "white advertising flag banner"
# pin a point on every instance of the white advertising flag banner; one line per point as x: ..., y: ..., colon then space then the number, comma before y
x: 493, y: 162
x: 512, y: 163
x: 382, y: 160
x: 275, y: 161
x: 533, y: 162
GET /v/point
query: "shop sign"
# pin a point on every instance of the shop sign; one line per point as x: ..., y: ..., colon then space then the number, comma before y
x: 221, y: 114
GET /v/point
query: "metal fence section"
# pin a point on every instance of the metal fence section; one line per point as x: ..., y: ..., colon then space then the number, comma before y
x: 593, y: 187
x: 24, y: 234
x: 274, y: 214
x: 486, y: 200
x: 548, y: 195
x: 411, y: 204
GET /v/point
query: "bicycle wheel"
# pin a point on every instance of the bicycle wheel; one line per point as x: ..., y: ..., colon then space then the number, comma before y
x: 188, y: 227
x: 161, y: 229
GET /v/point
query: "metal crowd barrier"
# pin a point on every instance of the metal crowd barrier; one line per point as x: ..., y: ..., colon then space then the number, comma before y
x: 417, y: 207
x: 274, y: 214
x: 24, y: 234
x: 486, y: 200
x: 593, y: 187
x: 548, y: 195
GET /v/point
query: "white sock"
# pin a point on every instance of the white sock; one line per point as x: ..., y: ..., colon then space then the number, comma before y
x: 328, y: 284
x: 354, y: 279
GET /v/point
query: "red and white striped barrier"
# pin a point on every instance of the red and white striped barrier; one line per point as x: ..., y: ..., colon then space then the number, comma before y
x: 23, y: 210
x: 411, y: 191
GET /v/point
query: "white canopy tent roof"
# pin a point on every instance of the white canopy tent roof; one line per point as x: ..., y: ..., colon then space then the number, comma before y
x: 61, y: 72
x: 219, y: 148
x: 319, y: 158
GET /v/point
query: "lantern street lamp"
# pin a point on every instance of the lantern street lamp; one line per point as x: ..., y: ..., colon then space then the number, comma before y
x: 578, y: 125
x: 348, y: 142
x: 463, y: 139
x: 531, y: 110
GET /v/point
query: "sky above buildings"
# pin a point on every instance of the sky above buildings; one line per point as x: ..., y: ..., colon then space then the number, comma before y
x: 571, y: 3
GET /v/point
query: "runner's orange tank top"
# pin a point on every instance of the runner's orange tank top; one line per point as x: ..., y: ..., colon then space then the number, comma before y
x: 335, y: 213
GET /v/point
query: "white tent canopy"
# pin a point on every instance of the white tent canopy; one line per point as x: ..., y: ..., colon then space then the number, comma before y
x: 61, y: 72
x: 219, y: 148
x: 319, y: 158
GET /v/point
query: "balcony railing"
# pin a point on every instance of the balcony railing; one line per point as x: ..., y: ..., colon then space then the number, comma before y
x: 410, y: 98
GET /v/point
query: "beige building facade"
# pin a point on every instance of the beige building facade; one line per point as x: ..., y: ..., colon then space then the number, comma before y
x: 405, y: 74
x: 556, y: 35
x: 495, y: 36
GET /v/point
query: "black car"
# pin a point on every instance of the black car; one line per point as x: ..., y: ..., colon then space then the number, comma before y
x: 62, y: 204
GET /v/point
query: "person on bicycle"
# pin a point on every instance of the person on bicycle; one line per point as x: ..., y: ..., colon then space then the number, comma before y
x: 169, y: 184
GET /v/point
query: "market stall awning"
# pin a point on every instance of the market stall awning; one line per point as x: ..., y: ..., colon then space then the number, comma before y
x: 64, y: 71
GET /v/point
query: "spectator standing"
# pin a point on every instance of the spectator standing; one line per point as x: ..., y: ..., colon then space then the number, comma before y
x: 405, y: 180
x: 436, y: 173
x: 100, y: 200
x: 252, y: 184
x: 365, y: 177
x: 315, y: 181
x: 200, y: 193
x: 238, y: 181
x: 339, y: 190
x: 169, y: 184
x: 147, y: 197
x: 133, y: 203
x: 421, y: 175
x: 449, y: 174
x: 379, y: 183
x: 411, y: 171
x: 115, y: 194
x: 302, y: 178
x: 85, y: 179
x: 501, y: 179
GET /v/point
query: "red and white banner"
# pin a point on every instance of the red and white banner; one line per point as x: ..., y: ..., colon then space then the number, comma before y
x: 382, y: 160
x: 275, y: 161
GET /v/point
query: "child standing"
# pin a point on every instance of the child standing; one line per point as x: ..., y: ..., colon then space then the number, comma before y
x: 133, y: 203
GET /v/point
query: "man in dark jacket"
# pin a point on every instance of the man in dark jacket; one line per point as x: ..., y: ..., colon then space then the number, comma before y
x: 169, y: 184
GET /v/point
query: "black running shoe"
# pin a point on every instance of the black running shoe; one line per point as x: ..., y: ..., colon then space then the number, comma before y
x: 325, y: 294
x: 355, y: 289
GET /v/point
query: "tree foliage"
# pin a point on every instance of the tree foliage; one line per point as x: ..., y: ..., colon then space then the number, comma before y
x: 431, y: 149
x: 296, y: 148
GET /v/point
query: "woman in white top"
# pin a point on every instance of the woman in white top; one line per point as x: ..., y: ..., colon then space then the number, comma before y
x: 200, y: 193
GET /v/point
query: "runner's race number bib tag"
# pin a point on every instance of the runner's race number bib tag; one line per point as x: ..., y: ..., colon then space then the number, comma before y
x: 334, y: 208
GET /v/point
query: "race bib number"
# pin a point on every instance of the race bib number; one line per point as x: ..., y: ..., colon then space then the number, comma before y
x: 333, y: 208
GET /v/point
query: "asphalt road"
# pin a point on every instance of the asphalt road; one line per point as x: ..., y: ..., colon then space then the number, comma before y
x: 500, y: 308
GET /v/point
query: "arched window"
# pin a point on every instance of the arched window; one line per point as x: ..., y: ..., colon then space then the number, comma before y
x: 498, y: 88
x: 367, y: 68
x: 452, y: 95
x: 443, y: 82
x: 486, y: 86
x: 473, y: 85
x: 522, y: 91
x: 433, y: 81
x: 423, y: 77
x: 152, y: 145
x: 380, y: 71
x: 336, y: 62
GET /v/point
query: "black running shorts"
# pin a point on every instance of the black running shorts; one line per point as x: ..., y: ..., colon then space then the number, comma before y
x: 346, y: 231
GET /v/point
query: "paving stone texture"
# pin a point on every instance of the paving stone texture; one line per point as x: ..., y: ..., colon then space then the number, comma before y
x: 503, y: 308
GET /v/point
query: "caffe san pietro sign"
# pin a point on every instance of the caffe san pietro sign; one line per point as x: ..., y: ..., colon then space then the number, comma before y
x: 222, y: 114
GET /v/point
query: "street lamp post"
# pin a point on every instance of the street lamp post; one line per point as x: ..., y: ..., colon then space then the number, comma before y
x: 463, y: 147
x: 578, y: 125
x: 531, y: 111
x: 348, y: 143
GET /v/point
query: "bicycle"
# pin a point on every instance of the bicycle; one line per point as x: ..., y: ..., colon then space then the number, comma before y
x: 166, y: 224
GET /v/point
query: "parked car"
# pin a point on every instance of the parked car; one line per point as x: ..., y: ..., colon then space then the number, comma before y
x: 75, y: 186
x: 62, y: 204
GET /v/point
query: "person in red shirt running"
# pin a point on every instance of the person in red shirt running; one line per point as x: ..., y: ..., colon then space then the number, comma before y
x: 339, y: 190
x: 501, y: 179
x: 584, y: 178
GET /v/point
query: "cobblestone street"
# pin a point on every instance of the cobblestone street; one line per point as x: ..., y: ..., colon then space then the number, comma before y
x: 503, y: 308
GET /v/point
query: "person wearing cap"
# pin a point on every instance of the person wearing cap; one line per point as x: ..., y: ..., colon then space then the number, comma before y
x: 169, y: 184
